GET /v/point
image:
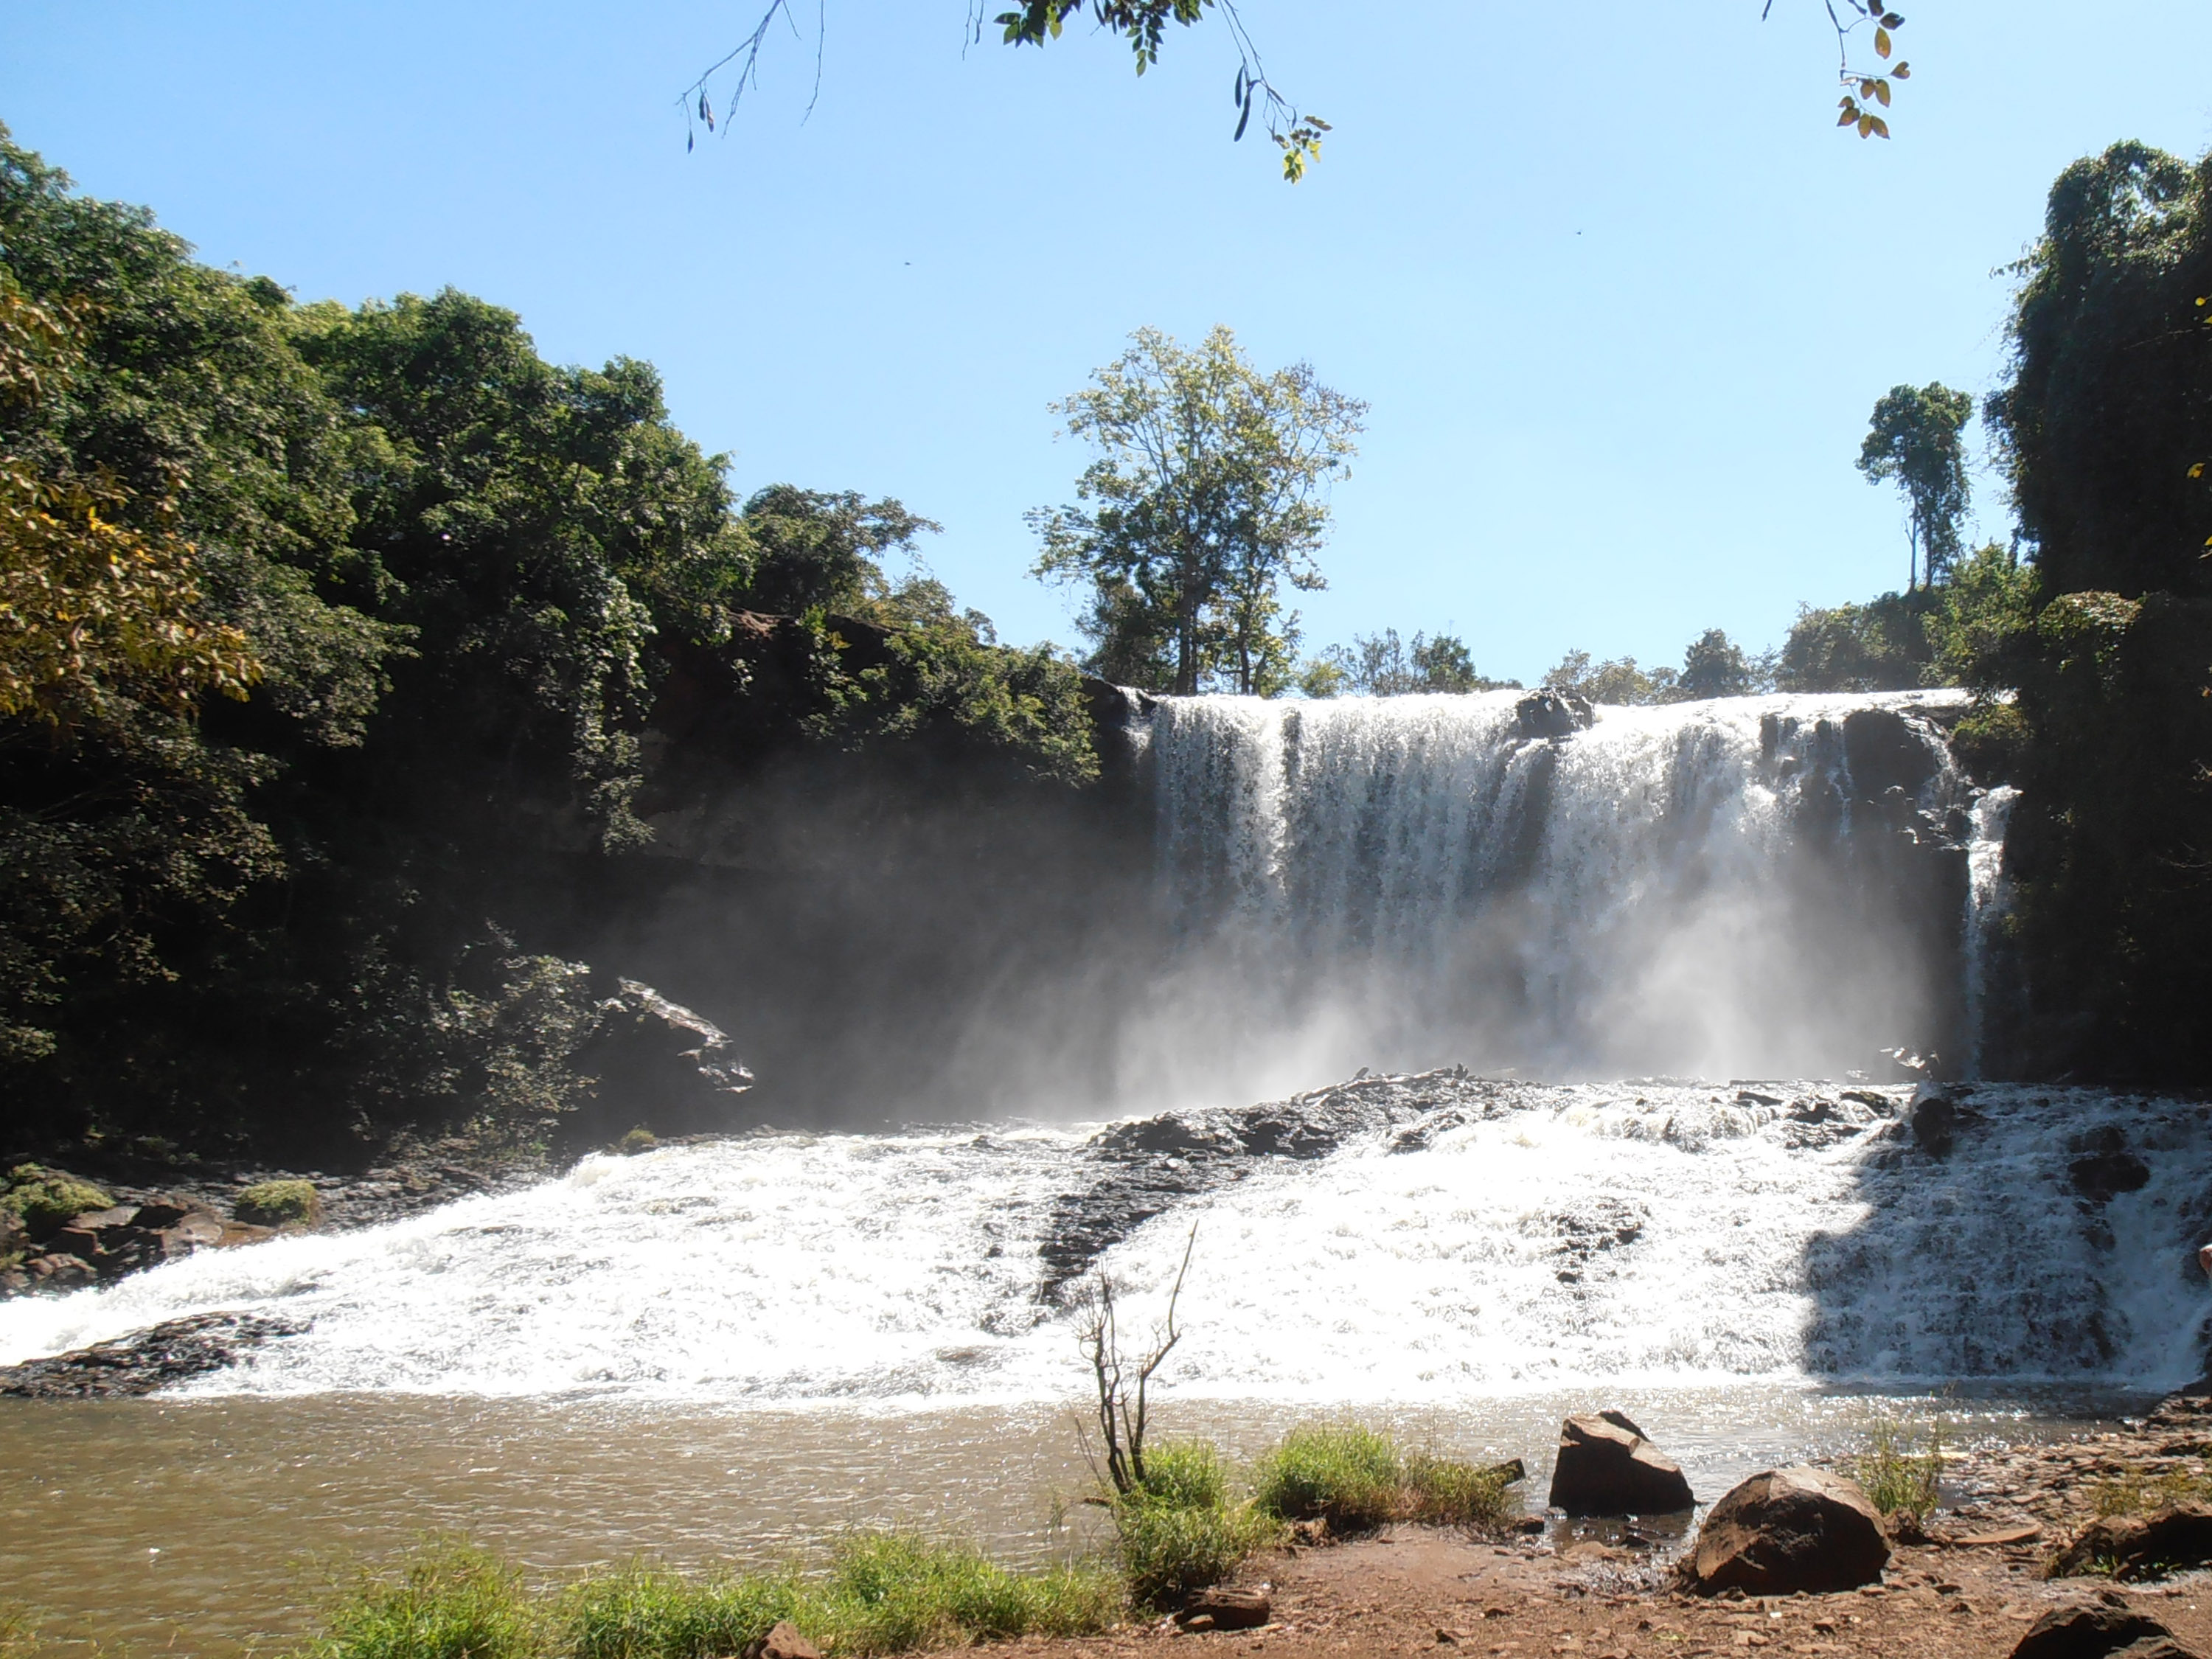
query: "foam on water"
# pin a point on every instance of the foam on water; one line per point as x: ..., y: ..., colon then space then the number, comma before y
x: 1652, y: 1234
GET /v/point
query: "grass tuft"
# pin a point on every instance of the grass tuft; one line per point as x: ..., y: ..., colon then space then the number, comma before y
x: 446, y: 1601
x: 19, y: 1630
x: 1898, y: 1479
x: 1441, y: 1492
x: 2134, y: 1491
x: 1357, y: 1478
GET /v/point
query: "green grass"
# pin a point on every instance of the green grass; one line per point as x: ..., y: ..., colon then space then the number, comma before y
x: 45, y: 1199
x: 280, y: 1204
x: 1357, y: 1478
x: 19, y: 1630
x: 883, y: 1593
x: 1898, y: 1479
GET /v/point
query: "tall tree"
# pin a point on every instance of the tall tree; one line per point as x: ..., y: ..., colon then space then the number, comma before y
x: 1914, y: 438
x: 1209, y: 493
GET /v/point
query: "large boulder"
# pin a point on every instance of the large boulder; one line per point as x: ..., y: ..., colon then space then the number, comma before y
x: 1607, y: 1466
x: 655, y: 1063
x: 2142, y: 1546
x: 1551, y: 714
x: 1787, y: 1530
x: 2090, y: 1631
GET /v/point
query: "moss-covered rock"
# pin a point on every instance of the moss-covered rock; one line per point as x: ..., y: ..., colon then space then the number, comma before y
x: 280, y: 1204
x: 45, y: 1199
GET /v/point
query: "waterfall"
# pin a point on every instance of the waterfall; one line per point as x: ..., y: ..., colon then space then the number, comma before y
x: 1756, y: 886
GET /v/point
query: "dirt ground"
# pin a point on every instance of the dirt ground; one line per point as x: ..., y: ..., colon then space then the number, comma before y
x: 1970, y: 1591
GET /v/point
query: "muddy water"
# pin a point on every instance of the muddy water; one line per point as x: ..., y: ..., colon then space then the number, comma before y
x: 208, y: 1526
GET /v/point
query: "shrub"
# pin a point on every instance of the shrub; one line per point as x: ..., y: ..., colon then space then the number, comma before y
x: 47, y: 1199
x: 1443, y: 1493
x: 1168, y: 1551
x: 279, y: 1204
x: 1899, y: 1481
x: 639, y: 1139
x: 1187, y: 1474
x: 1349, y: 1476
x: 885, y: 1593
x: 447, y: 1600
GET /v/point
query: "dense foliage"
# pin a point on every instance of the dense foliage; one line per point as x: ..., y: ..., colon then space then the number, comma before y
x: 2106, y: 426
x: 329, y: 641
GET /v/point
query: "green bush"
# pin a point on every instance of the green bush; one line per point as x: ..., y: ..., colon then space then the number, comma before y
x: 1897, y: 1478
x: 1443, y: 1493
x: 47, y: 1199
x: 280, y: 1204
x: 1167, y: 1550
x: 1349, y: 1476
x: 447, y: 1600
x: 885, y: 1593
x: 639, y: 1139
x: 1186, y: 1473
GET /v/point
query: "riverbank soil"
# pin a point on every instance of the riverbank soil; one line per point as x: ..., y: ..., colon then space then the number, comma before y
x: 1968, y: 1590
x: 1415, y: 1591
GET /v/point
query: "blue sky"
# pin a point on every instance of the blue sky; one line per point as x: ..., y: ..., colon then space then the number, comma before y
x: 1621, y: 298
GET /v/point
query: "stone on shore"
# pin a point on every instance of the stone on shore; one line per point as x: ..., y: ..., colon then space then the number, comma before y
x: 1786, y: 1530
x: 1607, y: 1466
x: 783, y: 1641
x: 1227, y: 1609
x: 2090, y: 1631
x: 2165, y: 1541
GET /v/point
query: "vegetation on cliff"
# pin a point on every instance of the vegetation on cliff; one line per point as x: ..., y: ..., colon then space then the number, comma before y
x: 330, y: 640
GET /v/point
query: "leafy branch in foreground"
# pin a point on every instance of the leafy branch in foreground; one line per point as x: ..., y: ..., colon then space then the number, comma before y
x: 1862, y: 86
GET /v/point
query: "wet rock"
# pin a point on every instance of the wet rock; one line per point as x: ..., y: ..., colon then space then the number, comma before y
x: 783, y: 1641
x: 1134, y: 1172
x: 171, y: 1353
x: 167, y: 1211
x: 1227, y: 1609
x: 2103, y: 1175
x: 58, y: 1271
x: 1551, y: 714
x: 2142, y: 1546
x: 1787, y: 1530
x: 1607, y: 1466
x: 1935, y: 1121
x: 655, y: 1061
x: 2087, y: 1633
x: 1885, y: 750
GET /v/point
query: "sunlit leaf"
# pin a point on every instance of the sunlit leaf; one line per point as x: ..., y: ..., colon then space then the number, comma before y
x: 1881, y: 43
x: 1881, y: 93
x: 1881, y: 127
x: 2197, y: 470
x: 1903, y: 71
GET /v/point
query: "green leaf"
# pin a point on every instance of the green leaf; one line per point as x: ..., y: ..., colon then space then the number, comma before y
x: 1881, y: 43
x: 1881, y: 93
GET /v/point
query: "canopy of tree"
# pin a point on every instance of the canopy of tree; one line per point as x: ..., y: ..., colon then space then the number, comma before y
x: 325, y: 634
x: 1209, y: 496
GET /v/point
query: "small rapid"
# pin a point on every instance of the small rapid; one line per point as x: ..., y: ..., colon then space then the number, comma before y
x: 1475, y: 1237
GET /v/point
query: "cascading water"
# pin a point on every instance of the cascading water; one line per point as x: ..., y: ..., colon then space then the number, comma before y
x: 1750, y: 886
x: 1457, y: 1238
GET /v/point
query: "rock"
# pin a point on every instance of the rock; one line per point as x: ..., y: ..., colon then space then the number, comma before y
x: 2142, y: 1546
x: 195, y: 1231
x: 174, y: 1352
x: 243, y: 1232
x: 783, y: 1641
x: 2155, y: 1647
x: 14, y: 1236
x: 1883, y: 751
x: 1607, y: 1466
x: 1786, y: 1530
x: 1551, y: 714
x: 57, y: 1271
x: 1228, y: 1609
x: 655, y: 1061
x: 1934, y: 1123
x: 2086, y: 1632
x: 2105, y: 1176
x: 164, y: 1214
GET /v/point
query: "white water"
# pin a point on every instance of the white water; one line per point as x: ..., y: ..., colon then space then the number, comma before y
x: 1412, y: 881
x: 899, y: 1271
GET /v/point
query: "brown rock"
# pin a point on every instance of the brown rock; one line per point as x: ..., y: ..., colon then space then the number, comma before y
x: 1786, y: 1530
x: 2142, y: 1546
x: 2086, y: 1632
x: 56, y: 1271
x: 783, y: 1641
x: 166, y: 1213
x: 192, y: 1233
x: 1227, y: 1609
x: 243, y: 1232
x: 1607, y: 1466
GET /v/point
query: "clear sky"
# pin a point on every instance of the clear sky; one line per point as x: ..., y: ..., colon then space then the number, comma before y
x: 1621, y: 297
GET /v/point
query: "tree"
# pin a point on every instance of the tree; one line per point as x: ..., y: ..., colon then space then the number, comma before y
x: 1616, y: 681
x: 1381, y: 665
x: 1210, y: 494
x: 1715, y: 667
x: 1914, y: 439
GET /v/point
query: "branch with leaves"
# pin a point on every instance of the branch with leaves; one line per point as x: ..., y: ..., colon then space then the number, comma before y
x: 1863, y: 87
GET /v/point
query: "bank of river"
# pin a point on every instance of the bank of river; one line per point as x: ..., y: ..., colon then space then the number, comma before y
x: 205, y: 1526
